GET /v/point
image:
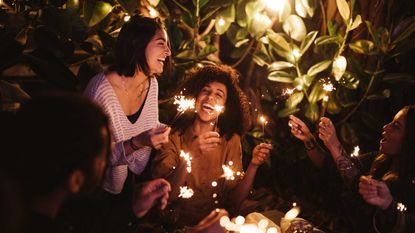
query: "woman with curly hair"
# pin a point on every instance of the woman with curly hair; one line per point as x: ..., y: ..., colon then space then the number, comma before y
x: 213, y: 141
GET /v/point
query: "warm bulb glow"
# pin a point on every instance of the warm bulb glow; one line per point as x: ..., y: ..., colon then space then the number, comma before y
x: 214, y: 184
x: 340, y: 62
x: 249, y: 228
x: 401, y: 207
x: 292, y: 213
x: 185, y: 192
x: 272, y: 230
x: 263, y: 223
x: 224, y: 220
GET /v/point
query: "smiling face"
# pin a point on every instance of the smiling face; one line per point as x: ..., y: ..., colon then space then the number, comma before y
x: 212, y: 94
x: 157, y: 51
x: 393, y: 133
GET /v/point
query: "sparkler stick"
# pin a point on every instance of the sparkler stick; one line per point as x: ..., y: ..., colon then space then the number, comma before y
x: 187, y: 158
x: 328, y: 87
x: 183, y: 104
x: 218, y: 109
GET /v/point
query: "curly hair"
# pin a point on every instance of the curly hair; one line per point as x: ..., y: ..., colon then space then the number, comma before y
x: 236, y: 118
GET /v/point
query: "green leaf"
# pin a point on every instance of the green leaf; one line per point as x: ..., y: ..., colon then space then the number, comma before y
x: 307, y: 79
x: 206, y: 51
x: 327, y: 40
x: 241, y: 17
x: 399, y: 78
x: 259, y: 60
x: 279, y: 44
x: 222, y: 24
x: 188, y: 19
x: 357, y: 21
x: 287, y: 111
x: 186, y: 54
x: 156, y: 2
x: 128, y: 5
x: 349, y: 80
x: 229, y: 13
x: 252, y: 8
x: 344, y: 9
x: 279, y: 65
x: 308, y: 40
x: 295, y: 28
x: 408, y: 28
x: 95, y: 12
x: 312, y: 112
x: 280, y: 76
x: 294, y: 100
x: 12, y: 92
x: 319, y: 67
x: 363, y: 47
x: 316, y: 94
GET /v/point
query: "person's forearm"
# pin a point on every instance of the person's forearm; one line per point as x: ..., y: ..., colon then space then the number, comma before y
x: 241, y: 191
x: 314, y: 152
x: 347, y: 169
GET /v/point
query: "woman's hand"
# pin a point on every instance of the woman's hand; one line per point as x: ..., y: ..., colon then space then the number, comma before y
x: 208, y: 141
x: 155, y: 137
x: 154, y: 192
x: 375, y: 192
x: 299, y: 129
x: 260, y: 153
x: 327, y: 133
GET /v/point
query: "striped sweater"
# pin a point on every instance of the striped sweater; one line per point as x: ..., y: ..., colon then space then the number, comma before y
x: 100, y: 90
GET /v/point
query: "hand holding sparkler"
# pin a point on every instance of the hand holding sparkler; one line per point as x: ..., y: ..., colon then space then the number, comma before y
x: 327, y: 133
x: 155, y: 138
x: 263, y: 122
x: 218, y: 110
x: 299, y: 129
x: 208, y: 141
x: 375, y: 192
x: 186, y: 192
x: 260, y: 153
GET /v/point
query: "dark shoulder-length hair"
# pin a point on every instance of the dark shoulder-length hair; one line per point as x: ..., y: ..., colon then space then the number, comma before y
x: 403, y: 166
x: 236, y: 116
x: 131, y: 44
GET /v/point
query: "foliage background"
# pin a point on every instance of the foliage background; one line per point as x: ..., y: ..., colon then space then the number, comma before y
x: 61, y: 44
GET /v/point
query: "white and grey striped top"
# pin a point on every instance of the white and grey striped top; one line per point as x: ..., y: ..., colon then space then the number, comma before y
x: 100, y: 90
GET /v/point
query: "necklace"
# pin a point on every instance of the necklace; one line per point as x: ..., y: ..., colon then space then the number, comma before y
x: 140, y: 93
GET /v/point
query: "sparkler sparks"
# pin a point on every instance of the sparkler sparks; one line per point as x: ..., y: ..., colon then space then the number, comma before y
x: 263, y: 121
x: 401, y: 207
x: 355, y: 151
x: 228, y: 173
x: 185, y: 192
x: 328, y: 87
x: 187, y: 158
x: 183, y: 103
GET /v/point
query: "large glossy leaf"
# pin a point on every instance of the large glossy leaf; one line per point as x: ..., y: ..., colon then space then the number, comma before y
x: 222, y: 24
x: 339, y: 67
x: 95, y: 12
x: 280, y: 76
x: 319, y: 67
x: 327, y: 40
x: 308, y: 40
x: 156, y: 2
x: 295, y: 28
x: 12, y: 92
x: 287, y: 111
x: 317, y: 93
x: 279, y: 65
x: 356, y: 22
x: 129, y: 6
x: 294, y: 100
x: 349, y: 80
x: 363, y: 47
x: 404, y: 29
x: 279, y: 44
x: 258, y: 25
x: 312, y: 112
x: 241, y: 17
x: 344, y: 9
x: 303, y: 10
x: 209, y: 49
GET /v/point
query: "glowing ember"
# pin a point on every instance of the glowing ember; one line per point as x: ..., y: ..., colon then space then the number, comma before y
x: 185, y: 192
x: 219, y: 108
x: 288, y: 91
x: 187, y: 158
x: 228, y: 173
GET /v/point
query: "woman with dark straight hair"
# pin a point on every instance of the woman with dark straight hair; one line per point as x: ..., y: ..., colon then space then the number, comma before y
x: 128, y: 93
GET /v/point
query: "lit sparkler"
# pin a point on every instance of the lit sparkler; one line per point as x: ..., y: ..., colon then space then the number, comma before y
x: 355, y: 151
x: 263, y: 121
x: 185, y: 192
x: 401, y: 207
x: 183, y: 104
x: 187, y: 158
x: 328, y: 87
x: 218, y: 110
x: 228, y: 173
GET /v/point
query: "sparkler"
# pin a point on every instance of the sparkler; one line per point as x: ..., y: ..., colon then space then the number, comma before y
x: 263, y: 121
x: 228, y: 173
x: 185, y: 192
x: 183, y: 104
x: 218, y: 109
x: 187, y: 158
x: 355, y: 154
x: 328, y: 87
x: 401, y: 207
